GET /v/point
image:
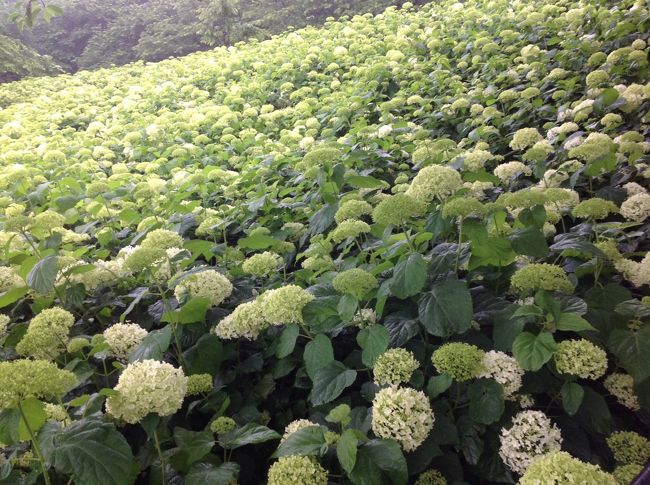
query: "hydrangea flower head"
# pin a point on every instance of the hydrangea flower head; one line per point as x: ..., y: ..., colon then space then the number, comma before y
x: 47, y: 334
x: 356, y: 282
x: 394, y: 367
x: 580, y: 358
x: 459, y: 360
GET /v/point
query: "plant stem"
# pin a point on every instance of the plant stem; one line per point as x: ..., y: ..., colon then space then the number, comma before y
x: 160, y: 457
x: 460, y: 238
x: 37, y: 449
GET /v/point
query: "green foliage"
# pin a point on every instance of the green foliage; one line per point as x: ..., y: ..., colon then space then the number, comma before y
x: 188, y: 221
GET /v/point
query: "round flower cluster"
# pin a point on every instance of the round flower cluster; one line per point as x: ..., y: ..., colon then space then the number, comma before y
x: 356, y: 282
x: 352, y: 209
x: 621, y: 386
x: 284, y: 305
x: 431, y: 477
x: 504, y: 369
x: 208, y: 284
x: 580, y: 358
x: 637, y: 273
x: 507, y: 171
x: 625, y: 474
x: 364, y: 317
x: 402, y: 414
x: 297, y: 470
x: 4, y: 324
x: 141, y: 258
x: 47, y: 334
x: 474, y: 160
x: 434, y: 181
x: 350, y: 228
x: 532, y: 434
x: 162, y: 239
x: 123, y: 338
x: 55, y: 412
x: 541, y: 276
x: 637, y: 207
x: 462, y: 207
x: 395, y: 210
x: 77, y: 344
x: 595, y: 146
x: 247, y: 321
x: 9, y: 279
x: 262, y: 264
x: 594, y: 208
x: 296, y: 425
x: 559, y: 467
x: 22, y: 379
x: 199, y: 384
x: 629, y: 447
x: 319, y: 156
x: 525, y: 138
x: 145, y: 387
x: 223, y: 425
x: 459, y: 360
x: 394, y: 367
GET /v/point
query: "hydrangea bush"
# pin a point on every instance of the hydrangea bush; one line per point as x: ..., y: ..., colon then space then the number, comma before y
x: 403, y: 248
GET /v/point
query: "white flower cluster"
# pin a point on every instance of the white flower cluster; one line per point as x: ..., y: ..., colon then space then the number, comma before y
x: 147, y: 387
x: 504, y: 369
x: 402, y: 414
x: 208, y: 284
x: 621, y: 386
x: 123, y: 338
x: 532, y: 434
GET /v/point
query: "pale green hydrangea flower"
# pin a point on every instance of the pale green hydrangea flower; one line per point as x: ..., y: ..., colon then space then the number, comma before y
x: 356, y: 282
x: 531, y: 435
x: 199, y: 384
x: 594, y: 208
x: 208, y: 284
x: 284, y: 305
x: 9, y: 279
x: 621, y: 386
x: 222, y: 425
x: 262, y: 264
x: 350, y: 228
x: 162, y: 239
x: 247, y: 321
x: 459, y: 360
x: 55, y: 412
x: 394, y: 367
x: 525, y: 138
x: 295, y: 470
x: 395, y: 210
x: 47, y: 334
x: 629, y: 447
x: 402, y: 414
x: 123, y: 338
x: 559, y: 467
x: 431, y: 477
x: 508, y: 171
x: 580, y: 358
x: 504, y: 369
x: 434, y: 181
x: 147, y: 386
x: 625, y: 474
x: 637, y: 207
x: 541, y: 276
x: 22, y: 379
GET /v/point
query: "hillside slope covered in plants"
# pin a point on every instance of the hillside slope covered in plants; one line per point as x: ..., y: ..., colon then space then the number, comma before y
x: 408, y: 248
x: 18, y: 61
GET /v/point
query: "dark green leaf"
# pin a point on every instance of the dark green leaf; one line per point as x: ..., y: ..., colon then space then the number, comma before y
x: 632, y: 348
x: 572, y: 395
x: 305, y: 441
x: 192, y: 446
x: 533, y: 351
x: 379, y: 462
x: 374, y: 342
x: 330, y: 381
x: 438, y: 384
x: 34, y: 417
x: 207, y: 473
x: 287, y: 341
x: 409, y: 276
x: 318, y: 353
x: 485, y: 401
x: 249, y: 434
x: 42, y: 276
x: 153, y: 346
x: 447, y: 309
x: 572, y: 322
x: 346, y: 450
x: 530, y: 242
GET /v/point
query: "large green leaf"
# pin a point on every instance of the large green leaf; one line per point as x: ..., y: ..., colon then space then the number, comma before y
x: 153, y: 346
x: 572, y: 394
x: 287, y: 341
x: 530, y: 242
x: 533, y: 351
x: 346, y: 450
x: 379, y: 462
x: 374, y: 342
x: 192, y: 446
x: 485, y: 401
x: 93, y: 451
x: 409, y: 276
x: 632, y: 348
x: 330, y: 381
x: 318, y: 353
x: 34, y: 417
x: 572, y: 322
x: 42, y: 276
x: 306, y: 441
x: 249, y: 434
x: 447, y: 309
x: 207, y: 473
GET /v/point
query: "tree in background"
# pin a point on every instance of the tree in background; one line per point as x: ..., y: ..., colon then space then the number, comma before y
x: 28, y: 11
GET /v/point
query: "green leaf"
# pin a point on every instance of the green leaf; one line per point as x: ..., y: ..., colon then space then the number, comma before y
x: 93, y: 451
x: 153, y: 346
x: 287, y: 341
x: 374, y: 342
x: 34, y: 416
x: 204, y: 473
x: 318, y: 353
x: 257, y: 241
x: 339, y: 414
x: 346, y: 450
x: 572, y: 322
x: 249, y: 434
x: 438, y: 384
x: 533, y: 351
x: 379, y: 462
x: 42, y: 276
x: 192, y: 446
x: 330, y: 381
x: 447, y: 309
x: 9, y: 421
x: 205, y: 356
x: 530, y: 242
x: 485, y: 401
x: 572, y: 395
x: 305, y: 441
x: 632, y: 348
x: 366, y: 182
x: 12, y: 296
x: 409, y: 276
x: 192, y: 311
x: 347, y: 307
